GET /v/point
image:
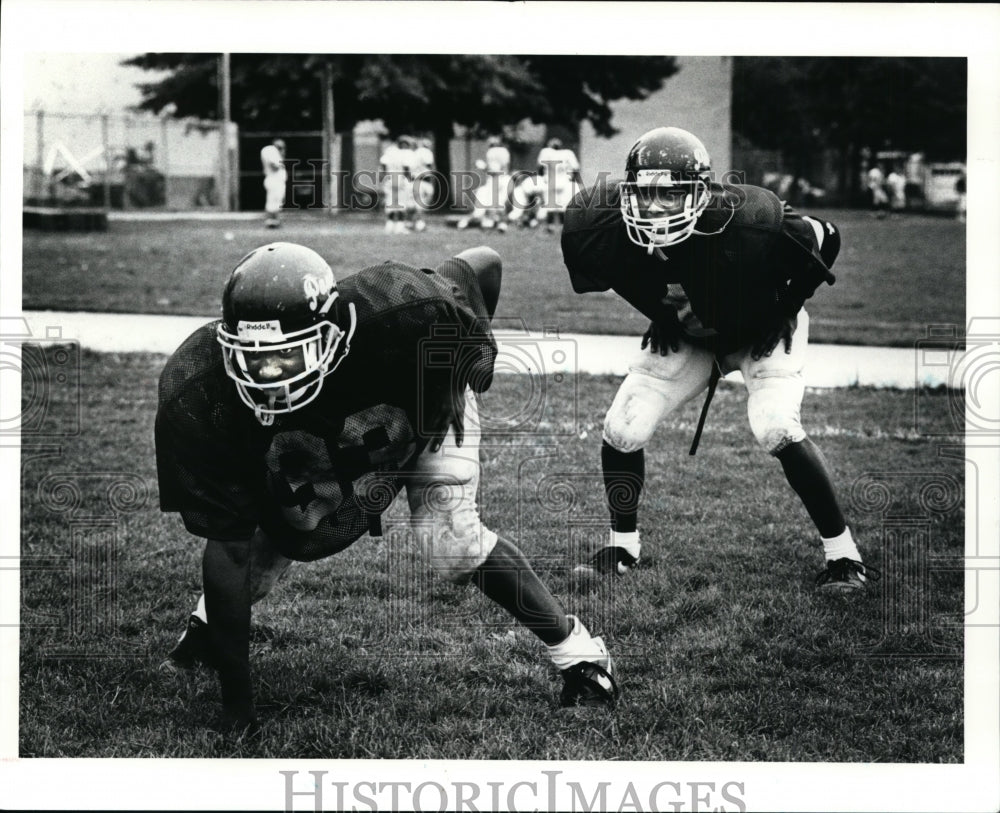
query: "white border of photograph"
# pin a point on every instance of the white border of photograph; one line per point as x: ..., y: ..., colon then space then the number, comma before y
x: 127, y: 27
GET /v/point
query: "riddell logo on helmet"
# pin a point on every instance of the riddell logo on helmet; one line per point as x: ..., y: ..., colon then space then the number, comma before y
x: 257, y: 331
x: 657, y: 176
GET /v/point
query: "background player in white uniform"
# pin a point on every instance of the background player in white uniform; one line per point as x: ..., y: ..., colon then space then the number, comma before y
x: 558, y: 181
x: 423, y: 170
x: 270, y: 466
x: 397, y: 164
x: 492, y: 199
x: 272, y: 159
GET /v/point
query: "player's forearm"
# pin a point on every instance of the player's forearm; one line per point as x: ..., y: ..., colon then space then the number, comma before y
x: 226, y: 576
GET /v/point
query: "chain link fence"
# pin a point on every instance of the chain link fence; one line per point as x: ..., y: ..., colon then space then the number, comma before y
x: 126, y: 162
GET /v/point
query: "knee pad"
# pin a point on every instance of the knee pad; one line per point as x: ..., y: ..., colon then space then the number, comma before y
x: 774, y: 418
x: 446, y: 523
x: 633, y: 418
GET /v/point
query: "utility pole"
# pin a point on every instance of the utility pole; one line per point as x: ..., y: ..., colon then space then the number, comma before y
x: 225, y: 114
x: 329, y: 141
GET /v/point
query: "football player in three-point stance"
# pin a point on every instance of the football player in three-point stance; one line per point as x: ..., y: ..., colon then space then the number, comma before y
x: 723, y: 272
x: 286, y: 429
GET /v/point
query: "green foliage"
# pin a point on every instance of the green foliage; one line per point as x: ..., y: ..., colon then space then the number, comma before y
x: 408, y: 92
x: 723, y: 649
x: 804, y: 104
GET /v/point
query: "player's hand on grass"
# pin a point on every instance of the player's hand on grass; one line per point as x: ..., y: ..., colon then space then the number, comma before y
x: 664, y: 334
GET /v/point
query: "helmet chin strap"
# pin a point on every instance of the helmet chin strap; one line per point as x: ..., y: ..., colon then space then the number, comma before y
x: 722, y: 228
x: 265, y: 418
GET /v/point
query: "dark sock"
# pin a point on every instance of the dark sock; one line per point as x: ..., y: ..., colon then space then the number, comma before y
x: 508, y: 579
x: 624, y: 477
x: 809, y: 475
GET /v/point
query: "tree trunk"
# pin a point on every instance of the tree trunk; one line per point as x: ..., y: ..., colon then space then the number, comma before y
x: 443, y: 132
x: 345, y: 199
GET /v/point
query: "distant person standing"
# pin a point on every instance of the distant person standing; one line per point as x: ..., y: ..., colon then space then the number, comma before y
x: 397, y: 165
x: 896, y: 186
x: 424, y: 184
x: 876, y: 191
x: 272, y: 159
x: 492, y: 198
x: 558, y: 180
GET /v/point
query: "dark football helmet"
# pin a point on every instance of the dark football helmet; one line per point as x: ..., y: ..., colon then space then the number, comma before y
x: 282, y: 298
x: 666, y: 187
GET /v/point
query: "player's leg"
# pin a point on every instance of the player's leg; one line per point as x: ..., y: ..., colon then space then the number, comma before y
x: 655, y: 386
x: 442, y: 492
x: 775, y: 387
x: 274, y: 189
x: 487, y: 266
x: 267, y: 566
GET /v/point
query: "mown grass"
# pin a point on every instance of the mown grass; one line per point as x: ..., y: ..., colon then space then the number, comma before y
x: 723, y: 649
x: 894, y: 277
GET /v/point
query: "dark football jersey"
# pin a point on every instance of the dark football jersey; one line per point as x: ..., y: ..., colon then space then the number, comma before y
x: 318, y: 478
x: 749, y: 248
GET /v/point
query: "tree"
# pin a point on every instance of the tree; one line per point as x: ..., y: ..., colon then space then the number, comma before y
x: 804, y: 105
x: 416, y: 93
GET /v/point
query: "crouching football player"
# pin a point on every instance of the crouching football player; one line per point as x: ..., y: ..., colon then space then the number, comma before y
x: 286, y: 429
x: 723, y: 272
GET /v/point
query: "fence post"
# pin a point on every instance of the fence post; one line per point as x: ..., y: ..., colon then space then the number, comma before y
x: 225, y: 114
x: 105, y: 143
x: 40, y: 146
x: 127, y: 123
x: 329, y: 139
x: 166, y: 163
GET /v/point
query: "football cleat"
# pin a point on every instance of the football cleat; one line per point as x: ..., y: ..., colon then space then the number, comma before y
x: 588, y: 684
x: 192, y: 649
x: 845, y: 574
x: 610, y: 560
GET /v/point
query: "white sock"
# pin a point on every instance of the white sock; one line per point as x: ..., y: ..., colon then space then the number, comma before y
x: 578, y: 647
x: 841, y: 547
x: 628, y: 541
x: 200, y: 609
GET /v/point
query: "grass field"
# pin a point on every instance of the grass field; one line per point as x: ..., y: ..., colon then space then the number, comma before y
x: 894, y: 277
x: 724, y: 651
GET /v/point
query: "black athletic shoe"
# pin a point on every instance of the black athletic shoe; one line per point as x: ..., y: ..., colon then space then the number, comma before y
x: 588, y: 684
x: 192, y: 649
x: 608, y: 561
x: 846, y: 574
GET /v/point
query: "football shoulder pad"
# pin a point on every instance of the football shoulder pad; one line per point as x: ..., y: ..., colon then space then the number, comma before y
x: 743, y: 205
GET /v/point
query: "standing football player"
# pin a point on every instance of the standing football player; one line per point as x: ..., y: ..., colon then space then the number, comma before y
x: 558, y: 181
x: 492, y: 199
x: 397, y: 164
x: 288, y: 427
x: 272, y: 159
x: 423, y: 182
x: 722, y: 271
